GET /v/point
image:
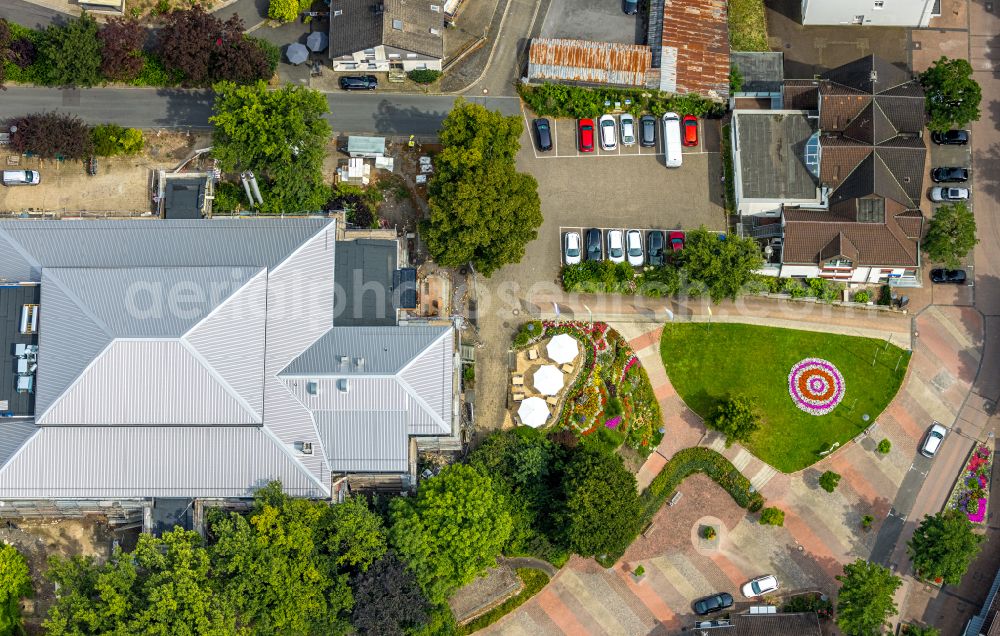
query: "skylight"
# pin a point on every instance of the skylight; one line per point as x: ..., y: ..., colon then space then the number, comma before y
x: 812, y: 154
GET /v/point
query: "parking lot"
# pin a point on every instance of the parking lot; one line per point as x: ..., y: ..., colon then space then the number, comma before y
x: 582, y: 232
x: 958, y: 157
x: 597, y: 20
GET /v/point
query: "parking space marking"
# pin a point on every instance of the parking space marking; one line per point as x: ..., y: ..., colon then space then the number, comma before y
x: 555, y: 135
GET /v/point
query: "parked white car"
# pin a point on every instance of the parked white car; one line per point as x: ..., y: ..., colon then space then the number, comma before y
x: 760, y: 586
x: 571, y: 248
x: 609, y: 136
x: 616, y: 251
x: 633, y: 247
x: 627, y: 124
x: 939, y: 194
x: 933, y: 440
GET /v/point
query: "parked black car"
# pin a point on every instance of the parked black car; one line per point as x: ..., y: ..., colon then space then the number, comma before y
x: 714, y: 603
x: 647, y: 131
x: 630, y: 7
x: 948, y: 276
x: 595, y: 249
x: 951, y: 137
x: 358, y: 82
x: 950, y: 175
x: 654, y: 248
x: 543, y: 135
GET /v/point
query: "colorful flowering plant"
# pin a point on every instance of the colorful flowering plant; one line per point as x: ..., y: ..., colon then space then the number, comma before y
x: 816, y: 386
x: 971, y: 492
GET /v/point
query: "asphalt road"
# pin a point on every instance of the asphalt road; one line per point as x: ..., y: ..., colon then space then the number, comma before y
x: 28, y: 14
x: 373, y: 113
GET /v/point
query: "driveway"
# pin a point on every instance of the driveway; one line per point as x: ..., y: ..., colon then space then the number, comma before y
x: 596, y: 20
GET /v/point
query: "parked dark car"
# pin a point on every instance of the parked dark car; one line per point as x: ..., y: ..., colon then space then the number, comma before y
x: 714, y: 603
x: 948, y: 276
x: 630, y: 7
x: 543, y: 135
x: 358, y: 82
x: 654, y: 248
x: 647, y: 131
x: 950, y: 175
x: 595, y: 249
x: 951, y: 137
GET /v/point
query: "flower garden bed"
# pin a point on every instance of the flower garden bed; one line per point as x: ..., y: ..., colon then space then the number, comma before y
x: 611, y: 397
x: 971, y: 493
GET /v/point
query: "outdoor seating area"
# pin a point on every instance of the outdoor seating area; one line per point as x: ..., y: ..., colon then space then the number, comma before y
x: 542, y: 374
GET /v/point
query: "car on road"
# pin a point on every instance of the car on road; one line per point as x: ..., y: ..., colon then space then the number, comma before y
x: 627, y: 124
x: 616, y: 250
x: 939, y: 194
x: 571, y: 248
x: 950, y: 175
x: 690, y: 126
x: 358, y: 82
x: 585, y: 132
x: 933, y: 440
x: 609, y: 138
x: 948, y: 276
x: 713, y: 603
x: 951, y: 137
x: 676, y: 240
x: 595, y: 251
x: 654, y: 248
x: 760, y: 586
x: 647, y: 131
x: 630, y: 7
x: 633, y: 240
x: 543, y: 134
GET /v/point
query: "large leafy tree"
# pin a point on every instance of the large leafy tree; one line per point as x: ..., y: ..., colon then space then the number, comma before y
x: 737, y: 418
x: 50, y: 135
x: 482, y: 210
x: 387, y: 599
x: 73, y: 52
x: 865, y: 601
x: 121, y: 49
x: 943, y: 545
x: 203, y: 49
x: 952, y: 95
x: 283, y: 10
x: 452, y: 530
x: 15, y: 584
x: 951, y: 234
x: 353, y: 535
x: 724, y: 267
x: 600, y: 509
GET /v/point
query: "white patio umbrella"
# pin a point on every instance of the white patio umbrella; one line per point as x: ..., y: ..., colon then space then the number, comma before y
x: 563, y: 348
x: 533, y: 412
x: 548, y: 380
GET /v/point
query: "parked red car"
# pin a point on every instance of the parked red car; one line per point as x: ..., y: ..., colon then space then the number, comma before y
x: 676, y: 240
x: 586, y: 135
x: 690, y: 126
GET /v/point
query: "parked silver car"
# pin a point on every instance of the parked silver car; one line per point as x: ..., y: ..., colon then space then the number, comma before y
x: 627, y: 125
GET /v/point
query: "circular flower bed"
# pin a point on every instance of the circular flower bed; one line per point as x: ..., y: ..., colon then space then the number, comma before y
x: 816, y: 386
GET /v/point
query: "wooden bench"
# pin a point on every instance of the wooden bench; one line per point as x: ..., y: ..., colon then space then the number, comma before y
x: 673, y: 500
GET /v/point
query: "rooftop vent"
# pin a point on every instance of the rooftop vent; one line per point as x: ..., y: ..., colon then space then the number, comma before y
x: 312, y: 387
x: 337, y: 12
x: 435, y: 31
x: 397, y: 24
x: 873, y: 76
x: 344, y: 360
x: 304, y: 448
x: 359, y: 363
x: 378, y: 9
x: 342, y: 385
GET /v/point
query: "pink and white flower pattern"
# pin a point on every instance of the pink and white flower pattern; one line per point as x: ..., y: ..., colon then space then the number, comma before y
x: 816, y: 386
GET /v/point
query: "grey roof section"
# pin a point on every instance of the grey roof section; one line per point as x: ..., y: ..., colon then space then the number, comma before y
x: 430, y: 376
x: 763, y: 72
x: 369, y: 441
x: 95, y: 462
x: 400, y: 24
x: 28, y: 245
x: 772, y: 156
x: 13, y: 435
x: 385, y: 350
x: 184, y: 198
x: 363, y: 275
x: 12, y: 299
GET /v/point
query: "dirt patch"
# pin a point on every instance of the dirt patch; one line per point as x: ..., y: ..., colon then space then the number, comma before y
x: 486, y: 592
x: 155, y: 8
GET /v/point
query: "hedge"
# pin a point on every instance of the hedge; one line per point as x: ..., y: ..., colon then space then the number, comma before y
x: 560, y: 100
x: 685, y: 463
x: 534, y: 581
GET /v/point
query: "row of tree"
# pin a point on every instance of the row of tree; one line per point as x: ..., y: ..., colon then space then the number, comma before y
x: 53, y: 135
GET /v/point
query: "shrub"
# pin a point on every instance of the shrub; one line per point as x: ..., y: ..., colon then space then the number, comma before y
x: 111, y: 139
x: 283, y: 10
x: 528, y: 332
x: 885, y: 295
x: 469, y: 373
x: 736, y: 418
x: 424, y: 75
x: 52, y: 135
x: 23, y: 52
x: 639, y: 570
x: 16, y: 585
x: 72, y: 52
x: 866, y: 521
x: 884, y: 446
x: 560, y: 100
x: 699, y: 459
x: 829, y: 480
x: 772, y: 517
x: 862, y: 297
x: 121, y: 49
x: 708, y: 532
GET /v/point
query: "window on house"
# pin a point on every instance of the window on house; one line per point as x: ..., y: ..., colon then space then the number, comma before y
x: 312, y: 387
x: 859, y: 19
x: 411, y: 55
x: 394, y: 56
x: 840, y: 261
x: 397, y: 24
x: 879, y: 4
x: 337, y: 12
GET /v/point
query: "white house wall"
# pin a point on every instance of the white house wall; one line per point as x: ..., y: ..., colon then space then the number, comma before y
x: 899, y: 13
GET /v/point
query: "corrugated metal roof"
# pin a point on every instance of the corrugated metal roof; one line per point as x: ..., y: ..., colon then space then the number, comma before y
x: 695, y: 48
x: 430, y: 376
x: 585, y: 61
x: 13, y: 435
x: 369, y: 441
x: 98, y: 462
x: 385, y: 350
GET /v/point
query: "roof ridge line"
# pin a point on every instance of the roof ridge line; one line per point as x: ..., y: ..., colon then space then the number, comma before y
x: 84, y: 308
x: 223, y: 302
x: 423, y: 351
x: 22, y: 252
x: 79, y: 377
x: 887, y: 118
x: 444, y: 426
x: 283, y: 448
x: 894, y: 178
x: 228, y: 388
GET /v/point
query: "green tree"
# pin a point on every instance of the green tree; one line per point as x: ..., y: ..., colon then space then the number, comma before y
x: 111, y: 139
x: 354, y: 535
x: 281, y: 135
x: 452, y: 530
x: 943, y: 545
x: 482, y: 210
x: 15, y: 584
x: 951, y: 234
x: 737, y: 418
x: 952, y: 95
x: 772, y: 517
x: 283, y: 10
x: 389, y: 600
x: 72, y: 52
x: 865, y: 602
x: 600, y: 510
x: 829, y: 481
x: 724, y: 267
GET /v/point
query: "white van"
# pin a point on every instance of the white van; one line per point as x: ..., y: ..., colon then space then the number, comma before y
x: 20, y: 177
x: 672, y: 139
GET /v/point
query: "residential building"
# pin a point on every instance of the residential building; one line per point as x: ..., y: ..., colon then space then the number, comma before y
x: 204, y: 359
x: 581, y: 61
x: 381, y: 35
x: 987, y: 621
x: 831, y: 184
x: 897, y: 13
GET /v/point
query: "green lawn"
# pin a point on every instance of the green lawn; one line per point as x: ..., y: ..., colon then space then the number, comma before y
x: 747, y: 25
x: 706, y: 363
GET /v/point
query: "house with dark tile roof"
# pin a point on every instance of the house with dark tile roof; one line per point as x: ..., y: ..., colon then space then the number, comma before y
x: 866, y: 154
x: 374, y: 36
